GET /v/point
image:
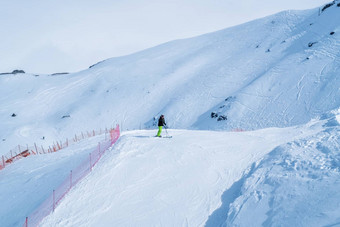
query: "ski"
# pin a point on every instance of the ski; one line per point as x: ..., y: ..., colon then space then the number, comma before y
x: 165, y: 137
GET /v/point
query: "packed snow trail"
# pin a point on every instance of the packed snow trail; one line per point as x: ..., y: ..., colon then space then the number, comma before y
x: 149, y: 181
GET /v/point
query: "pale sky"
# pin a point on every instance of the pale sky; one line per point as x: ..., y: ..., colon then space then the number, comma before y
x: 48, y: 36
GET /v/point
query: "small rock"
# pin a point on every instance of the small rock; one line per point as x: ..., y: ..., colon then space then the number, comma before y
x: 18, y: 71
x: 311, y: 44
x: 56, y: 74
x: 227, y: 99
x: 222, y: 118
x: 213, y: 115
x: 96, y: 64
x: 327, y: 6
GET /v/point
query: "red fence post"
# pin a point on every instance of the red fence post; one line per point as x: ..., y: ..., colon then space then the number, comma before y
x: 36, y: 149
x: 115, y: 133
x: 90, y: 163
x: 3, y: 161
x: 71, y: 179
x: 53, y: 200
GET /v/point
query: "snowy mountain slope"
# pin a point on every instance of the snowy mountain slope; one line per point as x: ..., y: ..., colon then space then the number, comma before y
x: 254, y: 75
x: 148, y: 181
x: 294, y: 185
x: 27, y: 183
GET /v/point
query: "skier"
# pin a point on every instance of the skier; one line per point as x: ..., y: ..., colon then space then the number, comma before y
x: 161, y: 123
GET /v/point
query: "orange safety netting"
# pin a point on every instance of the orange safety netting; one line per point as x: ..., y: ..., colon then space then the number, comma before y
x: 49, y: 205
x: 19, y: 151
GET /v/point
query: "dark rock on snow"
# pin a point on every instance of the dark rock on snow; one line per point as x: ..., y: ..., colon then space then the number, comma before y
x: 18, y: 71
x: 213, y: 115
x: 311, y: 44
x: 327, y: 6
x: 222, y: 118
x: 14, y: 72
x: 55, y: 74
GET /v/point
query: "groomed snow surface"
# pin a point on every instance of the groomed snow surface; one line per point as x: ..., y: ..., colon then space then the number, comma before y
x: 270, y: 177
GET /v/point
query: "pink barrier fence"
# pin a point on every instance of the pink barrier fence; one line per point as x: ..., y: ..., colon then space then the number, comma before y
x: 238, y: 130
x: 74, y: 177
x: 19, y: 151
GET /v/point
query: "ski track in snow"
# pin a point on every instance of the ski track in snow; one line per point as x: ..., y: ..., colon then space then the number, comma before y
x: 147, y: 181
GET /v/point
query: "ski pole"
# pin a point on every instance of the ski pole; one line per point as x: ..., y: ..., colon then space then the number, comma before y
x: 166, y: 131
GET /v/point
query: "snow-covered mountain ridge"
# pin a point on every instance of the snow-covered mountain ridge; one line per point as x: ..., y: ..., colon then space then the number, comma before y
x: 277, y: 71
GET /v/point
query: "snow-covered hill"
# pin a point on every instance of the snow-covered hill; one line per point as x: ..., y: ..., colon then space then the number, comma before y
x: 269, y: 177
x: 277, y: 71
x: 296, y: 184
x: 277, y: 76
